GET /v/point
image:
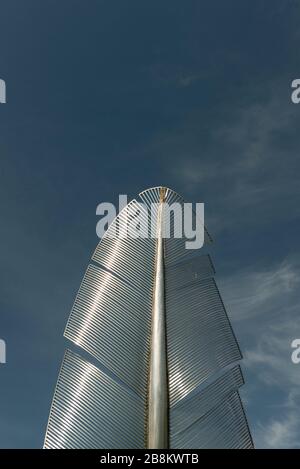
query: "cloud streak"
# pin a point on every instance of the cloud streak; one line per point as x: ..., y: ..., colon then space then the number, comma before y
x: 264, y: 306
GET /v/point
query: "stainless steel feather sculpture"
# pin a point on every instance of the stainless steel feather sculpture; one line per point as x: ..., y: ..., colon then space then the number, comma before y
x: 165, y: 370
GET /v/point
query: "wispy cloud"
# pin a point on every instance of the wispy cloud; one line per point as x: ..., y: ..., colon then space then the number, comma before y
x: 245, y: 162
x: 264, y: 305
x: 262, y: 292
x: 282, y: 433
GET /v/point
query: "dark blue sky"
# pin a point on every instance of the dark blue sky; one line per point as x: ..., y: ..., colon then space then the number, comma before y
x: 114, y: 97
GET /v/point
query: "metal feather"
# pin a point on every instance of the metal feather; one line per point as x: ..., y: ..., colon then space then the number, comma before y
x: 150, y: 316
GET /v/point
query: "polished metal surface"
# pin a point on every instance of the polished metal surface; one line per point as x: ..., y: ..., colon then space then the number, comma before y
x: 111, y: 320
x: 131, y: 259
x: 188, y: 272
x: 199, y: 336
x: 192, y: 408
x: 157, y: 424
x: 224, y: 426
x: 91, y: 410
